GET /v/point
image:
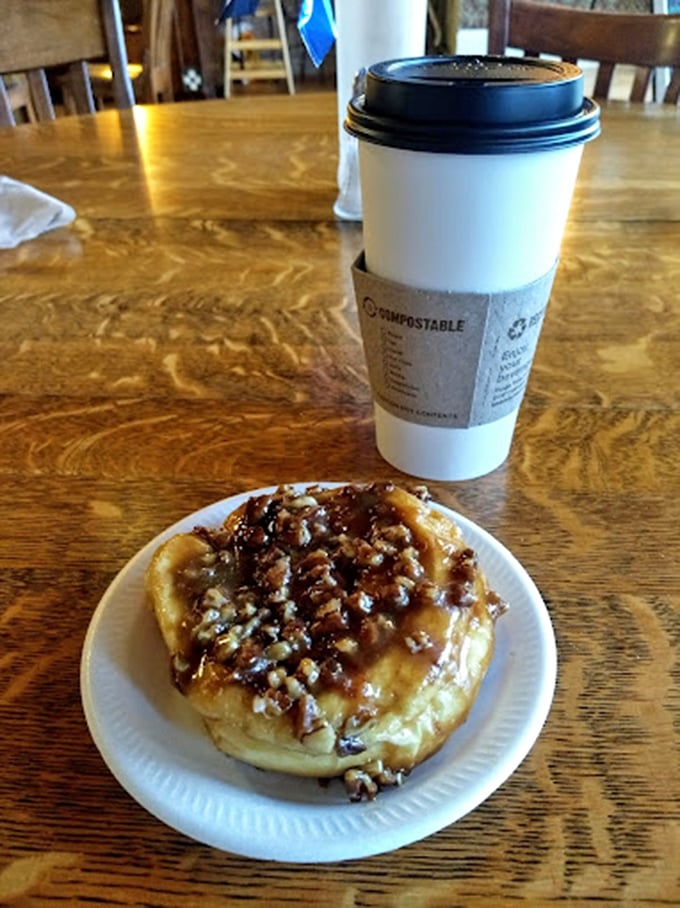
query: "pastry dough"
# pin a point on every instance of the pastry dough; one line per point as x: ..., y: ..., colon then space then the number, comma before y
x: 329, y: 632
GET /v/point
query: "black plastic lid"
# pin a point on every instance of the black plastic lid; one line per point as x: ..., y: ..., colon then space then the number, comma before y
x: 473, y: 105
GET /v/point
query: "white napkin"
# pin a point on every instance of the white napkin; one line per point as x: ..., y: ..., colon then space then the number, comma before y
x: 26, y: 212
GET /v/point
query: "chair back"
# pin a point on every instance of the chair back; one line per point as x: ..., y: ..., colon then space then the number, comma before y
x: 40, y: 34
x: 642, y: 40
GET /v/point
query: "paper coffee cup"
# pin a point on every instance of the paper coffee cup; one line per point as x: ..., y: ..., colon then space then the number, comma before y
x: 468, y: 166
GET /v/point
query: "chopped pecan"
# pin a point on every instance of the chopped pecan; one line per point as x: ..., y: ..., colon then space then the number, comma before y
x: 364, y: 783
x: 418, y: 641
x: 307, y: 716
x: 359, y: 785
x: 257, y: 508
x: 348, y: 746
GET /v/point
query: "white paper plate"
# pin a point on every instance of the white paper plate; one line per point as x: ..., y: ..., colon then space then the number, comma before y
x: 157, y: 748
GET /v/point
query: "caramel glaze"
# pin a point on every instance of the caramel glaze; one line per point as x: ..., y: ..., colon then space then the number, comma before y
x: 353, y: 570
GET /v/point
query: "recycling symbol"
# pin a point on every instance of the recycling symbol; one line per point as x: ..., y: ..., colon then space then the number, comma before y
x: 370, y: 307
x: 517, y: 328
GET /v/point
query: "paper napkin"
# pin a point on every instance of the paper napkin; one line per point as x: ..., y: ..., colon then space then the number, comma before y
x: 26, y: 212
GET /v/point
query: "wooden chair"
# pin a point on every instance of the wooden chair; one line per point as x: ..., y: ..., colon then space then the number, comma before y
x: 276, y: 66
x: 40, y: 34
x: 152, y: 78
x: 644, y: 41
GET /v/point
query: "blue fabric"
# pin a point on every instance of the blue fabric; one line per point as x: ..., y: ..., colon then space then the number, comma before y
x: 232, y: 9
x: 316, y: 24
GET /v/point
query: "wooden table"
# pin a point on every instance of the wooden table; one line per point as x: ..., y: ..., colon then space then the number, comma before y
x: 194, y: 335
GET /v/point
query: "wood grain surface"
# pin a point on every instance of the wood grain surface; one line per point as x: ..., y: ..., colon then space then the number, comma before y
x: 192, y: 335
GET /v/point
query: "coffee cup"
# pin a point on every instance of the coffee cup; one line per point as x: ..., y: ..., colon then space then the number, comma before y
x: 467, y: 168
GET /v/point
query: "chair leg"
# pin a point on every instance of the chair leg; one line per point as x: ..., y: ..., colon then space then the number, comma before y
x: 40, y: 94
x: 603, y: 81
x: 673, y: 91
x: 6, y: 112
x: 228, y: 26
x: 643, y: 77
x: 80, y: 87
x: 285, y: 51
